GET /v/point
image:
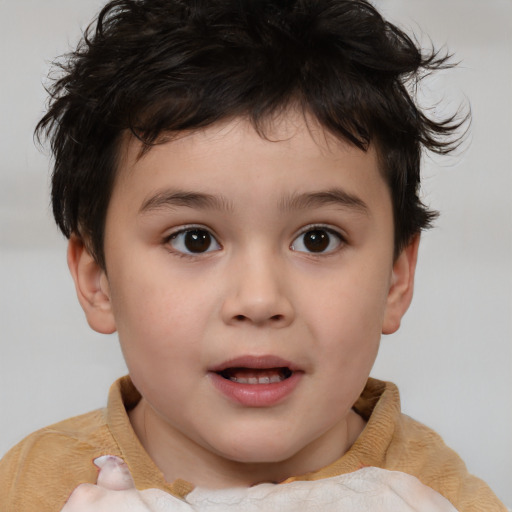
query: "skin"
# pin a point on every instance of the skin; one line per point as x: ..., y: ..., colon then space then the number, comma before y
x: 257, y: 291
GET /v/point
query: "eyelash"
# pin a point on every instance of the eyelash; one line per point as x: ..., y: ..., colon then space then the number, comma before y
x: 212, y: 240
x: 341, y: 240
x: 190, y: 229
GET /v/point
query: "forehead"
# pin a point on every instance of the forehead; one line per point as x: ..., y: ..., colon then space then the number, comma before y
x: 293, y: 148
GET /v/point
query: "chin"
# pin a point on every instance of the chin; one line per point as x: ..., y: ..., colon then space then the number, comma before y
x: 258, y: 452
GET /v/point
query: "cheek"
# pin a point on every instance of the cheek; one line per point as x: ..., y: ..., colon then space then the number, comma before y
x: 346, y: 319
x: 352, y: 305
x: 158, y: 322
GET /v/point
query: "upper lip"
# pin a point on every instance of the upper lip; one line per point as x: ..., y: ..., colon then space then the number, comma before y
x: 255, y: 362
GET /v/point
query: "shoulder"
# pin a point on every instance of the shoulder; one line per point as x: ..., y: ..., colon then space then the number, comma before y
x: 40, y: 472
x: 83, y: 430
x: 418, y: 450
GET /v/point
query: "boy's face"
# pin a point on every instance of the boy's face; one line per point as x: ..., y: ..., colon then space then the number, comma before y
x: 250, y: 281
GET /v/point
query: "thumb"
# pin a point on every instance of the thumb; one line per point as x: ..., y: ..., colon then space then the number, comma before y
x: 114, y: 473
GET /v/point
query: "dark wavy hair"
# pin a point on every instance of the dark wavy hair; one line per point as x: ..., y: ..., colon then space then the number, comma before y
x: 154, y: 67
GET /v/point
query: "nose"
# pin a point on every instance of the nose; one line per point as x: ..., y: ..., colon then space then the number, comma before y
x: 257, y: 293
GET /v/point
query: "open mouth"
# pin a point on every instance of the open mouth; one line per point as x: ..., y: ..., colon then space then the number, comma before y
x: 256, y: 380
x: 243, y: 375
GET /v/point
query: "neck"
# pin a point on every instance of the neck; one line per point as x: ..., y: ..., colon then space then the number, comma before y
x: 177, y: 456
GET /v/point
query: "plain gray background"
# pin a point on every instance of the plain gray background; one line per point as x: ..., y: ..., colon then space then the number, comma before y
x: 452, y: 359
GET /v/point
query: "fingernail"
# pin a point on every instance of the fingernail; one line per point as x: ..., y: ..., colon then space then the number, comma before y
x: 99, y: 462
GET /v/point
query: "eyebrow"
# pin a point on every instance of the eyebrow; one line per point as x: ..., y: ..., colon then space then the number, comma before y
x: 175, y: 198
x: 179, y: 198
x: 335, y: 197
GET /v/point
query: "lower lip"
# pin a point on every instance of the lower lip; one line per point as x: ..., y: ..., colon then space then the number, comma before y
x: 256, y: 395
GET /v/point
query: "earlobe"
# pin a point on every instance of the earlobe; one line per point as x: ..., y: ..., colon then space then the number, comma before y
x: 92, y: 287
x: 401, y: 287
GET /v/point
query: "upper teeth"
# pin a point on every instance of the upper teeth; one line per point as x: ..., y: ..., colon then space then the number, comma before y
x: 257, y: 380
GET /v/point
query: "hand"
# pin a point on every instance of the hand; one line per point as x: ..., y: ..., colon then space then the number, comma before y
x: 115, y: 492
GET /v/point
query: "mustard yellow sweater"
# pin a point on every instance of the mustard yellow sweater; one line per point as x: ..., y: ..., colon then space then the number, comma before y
x: 39, y: 473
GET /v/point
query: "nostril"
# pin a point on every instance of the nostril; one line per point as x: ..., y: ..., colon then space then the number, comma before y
x: 243, y: 318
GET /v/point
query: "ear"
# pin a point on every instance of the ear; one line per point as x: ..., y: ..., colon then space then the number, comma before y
x: 92, y: 287
x: 401, y: 287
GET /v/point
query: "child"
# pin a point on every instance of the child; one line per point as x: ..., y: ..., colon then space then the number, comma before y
x: 238, y: 181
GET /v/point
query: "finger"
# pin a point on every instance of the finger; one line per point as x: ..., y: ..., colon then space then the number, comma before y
x: 114, y: 473
x: 84, y: 497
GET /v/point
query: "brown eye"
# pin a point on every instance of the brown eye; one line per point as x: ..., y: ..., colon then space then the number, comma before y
x: 197, y: 240
x: 194, y: 241
x: 317, y: 241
